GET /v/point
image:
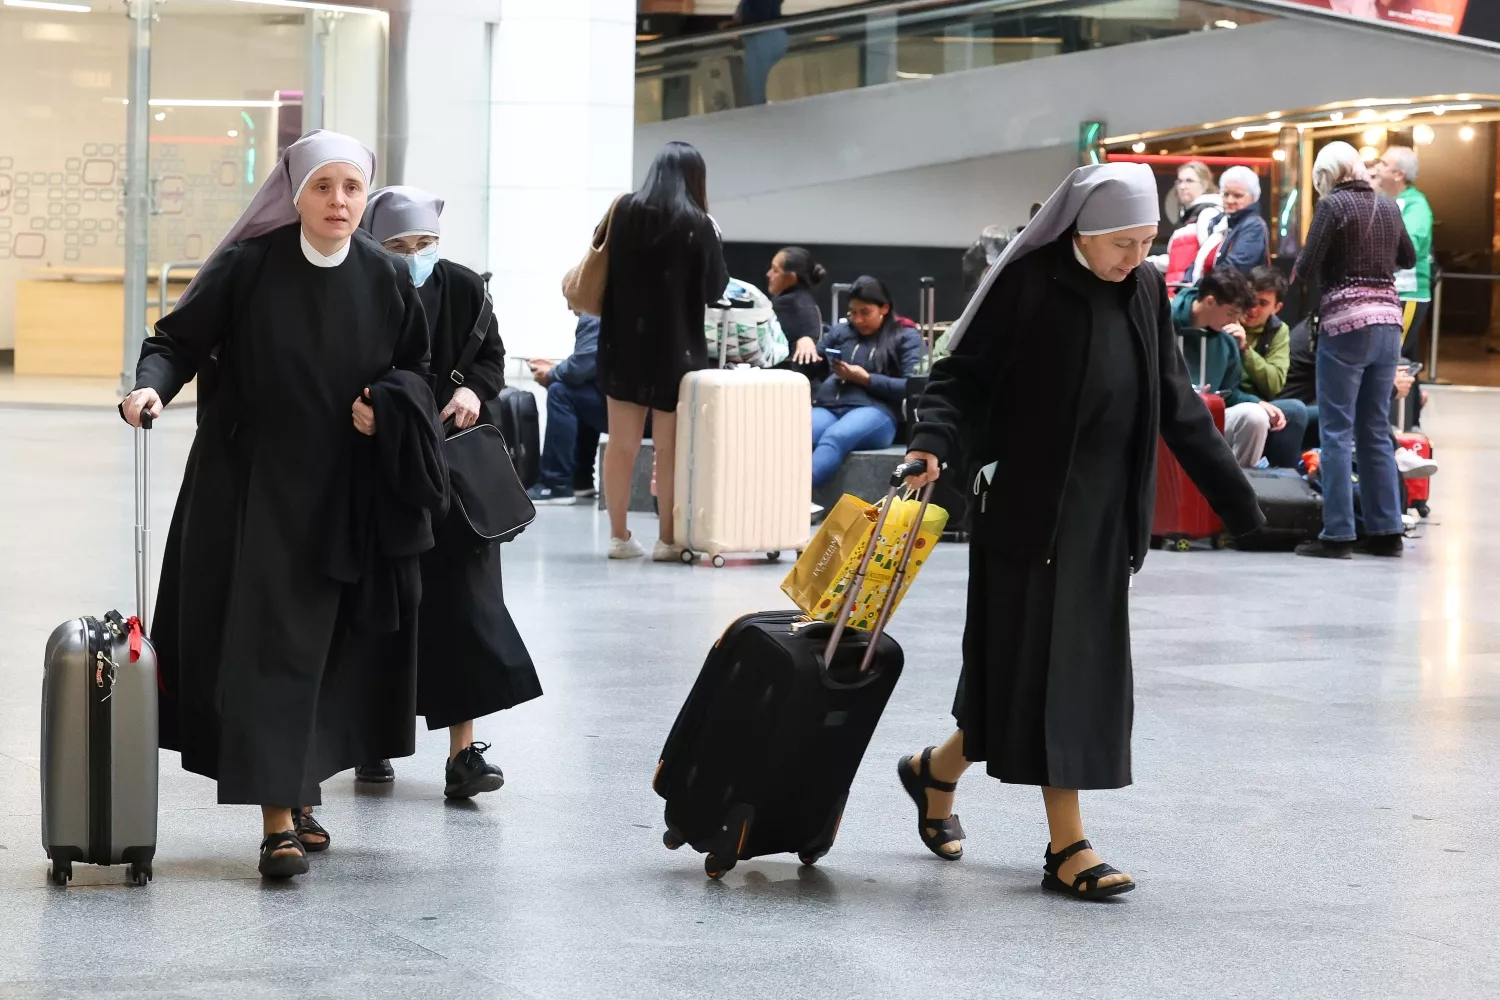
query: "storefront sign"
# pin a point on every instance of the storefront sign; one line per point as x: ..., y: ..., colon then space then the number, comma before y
x: 1445, y: 16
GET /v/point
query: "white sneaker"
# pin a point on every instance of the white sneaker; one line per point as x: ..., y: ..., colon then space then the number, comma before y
x: 663, y: 552
x: 625, y: 548
x: 1414, y: 466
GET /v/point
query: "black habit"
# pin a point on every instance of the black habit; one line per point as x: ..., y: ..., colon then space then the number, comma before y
x: 267, y: 685
x: 1085, y: 373
x: 663, y: 272
x: 472, y: 661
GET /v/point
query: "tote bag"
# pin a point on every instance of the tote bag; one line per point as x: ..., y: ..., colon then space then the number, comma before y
x: 583, y: 285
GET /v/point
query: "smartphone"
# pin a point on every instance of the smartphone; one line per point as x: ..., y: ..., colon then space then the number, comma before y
x: 833, y: 354
x: 1413, y: 367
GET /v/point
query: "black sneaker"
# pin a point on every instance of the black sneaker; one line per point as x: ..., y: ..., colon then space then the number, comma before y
x: 469, y: 773
x: 381, y: 772
x: 551, y: 496
x: 1381, y: 545
x: 1321, y: 549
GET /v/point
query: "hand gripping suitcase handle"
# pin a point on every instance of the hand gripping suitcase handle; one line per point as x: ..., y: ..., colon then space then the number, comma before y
x: 143, y: 518
x: 898, y: 479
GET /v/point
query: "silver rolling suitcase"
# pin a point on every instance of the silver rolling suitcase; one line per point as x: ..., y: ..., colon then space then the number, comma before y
x: 99, y: 736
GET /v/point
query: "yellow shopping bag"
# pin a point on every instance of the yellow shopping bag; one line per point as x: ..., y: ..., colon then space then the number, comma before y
x: 820, y: 590
x: 843, y: 533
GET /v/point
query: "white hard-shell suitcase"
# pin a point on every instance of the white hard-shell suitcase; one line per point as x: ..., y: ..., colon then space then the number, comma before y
x: 744, y: 463
x: 99, y: 725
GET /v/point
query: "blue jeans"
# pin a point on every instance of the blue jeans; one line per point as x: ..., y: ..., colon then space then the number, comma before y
x: 567, y: 407
x: 835, y: 435
x: 763, y: 49
x: 1355, y: 372
x: 1284, y: 447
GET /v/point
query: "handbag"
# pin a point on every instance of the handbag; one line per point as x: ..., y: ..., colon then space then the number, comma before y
x: 489, y: 503
x: 583, y: 285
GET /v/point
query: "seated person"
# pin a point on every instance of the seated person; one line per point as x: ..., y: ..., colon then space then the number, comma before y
x: 870, y: 356
x: 1200, y: 315
x: 1265, y: 355
x: 791, y: 280
x: 574, y: 405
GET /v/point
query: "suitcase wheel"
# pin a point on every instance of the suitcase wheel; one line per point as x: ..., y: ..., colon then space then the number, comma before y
x: 139, y: 874
x: 718, y: 562
x: 1181, y: 545
x: 689, y: 556
x: 62, y: 872
x: 810, y: 859
x: 773, y: 556
x: 1221, y: 541
x: 715, y: 867
x: 672, y: 840
x: 1421, y: 508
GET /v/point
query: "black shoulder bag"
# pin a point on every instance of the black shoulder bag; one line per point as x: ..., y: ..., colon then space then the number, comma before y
x: 489, y: 502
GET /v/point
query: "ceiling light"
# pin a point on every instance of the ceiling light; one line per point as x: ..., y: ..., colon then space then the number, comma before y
x: 1440, y: 110
x: 1139, y: 147
x: 161, y: 116
x: 1368, y: 153
x: 1464, y: 97
x: 1337, y: 116
x: 1274, y: 115
x: 1238, y: 133
x: 336, y: 8
x: 66, y: 8
x: 1279, y: 155
x: 1367, y: 114
x: 1164, y: 152
x: 1467, y: 133
x: 1226, y: 24
x: 234, y: 133
x: 1423, y: 135
x: 1373, y: 136
x: 1397, y: 116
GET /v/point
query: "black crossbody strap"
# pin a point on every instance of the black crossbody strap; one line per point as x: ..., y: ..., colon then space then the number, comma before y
x: 476, y: 339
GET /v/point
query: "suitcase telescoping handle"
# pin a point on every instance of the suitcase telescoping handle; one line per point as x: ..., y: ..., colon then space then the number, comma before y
x: 143, y: 519
x: 898, y: 478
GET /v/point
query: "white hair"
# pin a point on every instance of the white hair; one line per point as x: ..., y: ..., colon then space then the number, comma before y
x: 1245, y: 178
x: 1338, y: 162
x: 1404, y: 159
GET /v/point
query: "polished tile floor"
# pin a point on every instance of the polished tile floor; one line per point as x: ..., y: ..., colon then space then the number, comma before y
x: 1316, y: 747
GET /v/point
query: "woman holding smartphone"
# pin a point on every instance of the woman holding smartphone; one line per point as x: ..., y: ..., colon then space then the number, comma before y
x: 870, y: 357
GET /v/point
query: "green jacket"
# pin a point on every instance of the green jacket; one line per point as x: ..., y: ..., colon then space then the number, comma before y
x: 1417, y: 215
x: 1268, y: 359
x: 1225, y: 373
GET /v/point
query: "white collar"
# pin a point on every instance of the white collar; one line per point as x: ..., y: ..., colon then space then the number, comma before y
x: 1078, y: 256
x: 318, y: 260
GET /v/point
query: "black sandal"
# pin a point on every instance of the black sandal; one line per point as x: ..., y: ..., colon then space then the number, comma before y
x: 305, y: 826
x: 945, y: 830
x: 1085, y: 883
x: 273, y: 865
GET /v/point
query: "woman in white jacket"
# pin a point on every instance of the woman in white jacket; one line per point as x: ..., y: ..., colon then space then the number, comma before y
x: 1200, y: 216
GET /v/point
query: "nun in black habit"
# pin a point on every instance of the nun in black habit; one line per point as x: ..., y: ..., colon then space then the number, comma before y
x: 286, y: 619
x: 1069, y: 346
x: 471, y: 660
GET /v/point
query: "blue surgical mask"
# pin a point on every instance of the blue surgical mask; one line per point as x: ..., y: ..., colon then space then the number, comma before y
x: 421, y: 264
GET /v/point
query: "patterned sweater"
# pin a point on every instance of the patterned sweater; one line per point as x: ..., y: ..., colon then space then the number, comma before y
x: 1355, y: 246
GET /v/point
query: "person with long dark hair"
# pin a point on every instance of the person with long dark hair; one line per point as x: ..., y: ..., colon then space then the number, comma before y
x: 1068, y: 347
x: 666, y: 265
x: 870, y: 357
x: 471, y: 660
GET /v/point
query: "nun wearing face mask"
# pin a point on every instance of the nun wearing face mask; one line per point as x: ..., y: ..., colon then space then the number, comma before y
x: 472, y: 661
x: 1068, y: 345
x: 285, y: 622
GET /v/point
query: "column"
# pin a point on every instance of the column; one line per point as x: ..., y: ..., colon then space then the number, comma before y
x: 444, y: 93
x: 562, y: 123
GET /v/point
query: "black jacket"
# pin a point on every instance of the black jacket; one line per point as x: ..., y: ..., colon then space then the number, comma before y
x: 797, y: 312
x: 452, y: 298
x: 1302, y: 373
x: 1014, y: 383
x: 397, y: 486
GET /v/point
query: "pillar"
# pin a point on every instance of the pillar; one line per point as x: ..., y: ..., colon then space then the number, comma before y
x: 562, y: 123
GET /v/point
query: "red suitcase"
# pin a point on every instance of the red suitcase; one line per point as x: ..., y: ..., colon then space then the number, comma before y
x: 1182, y: 515
x: 1417, y: 490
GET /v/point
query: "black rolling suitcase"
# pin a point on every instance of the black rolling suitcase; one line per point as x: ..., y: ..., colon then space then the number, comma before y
x: 514, y: 412
x: 1293, y: 510
x: 763, y: 752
